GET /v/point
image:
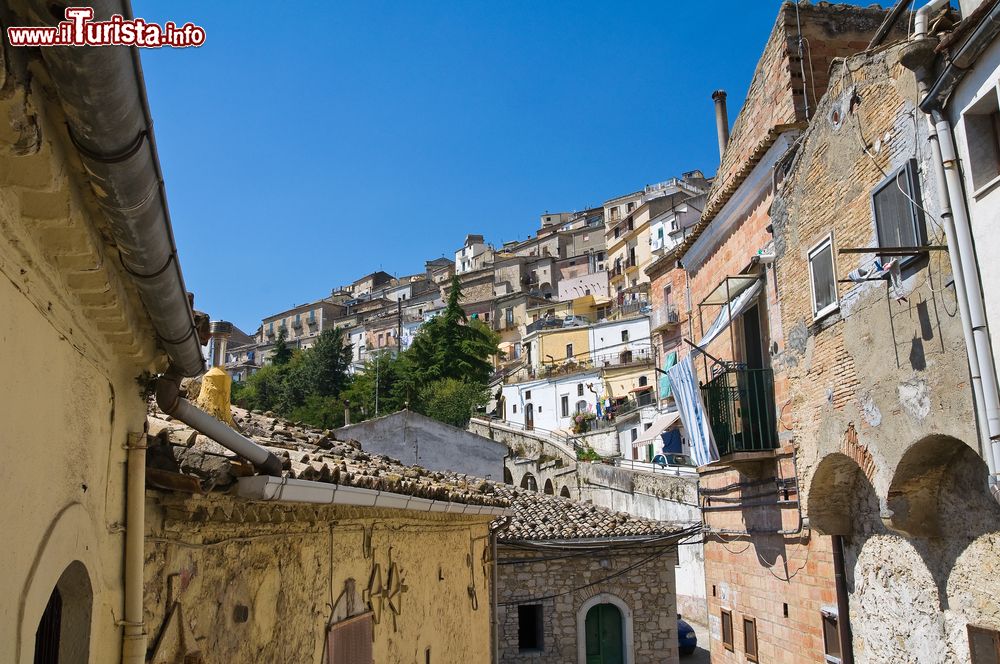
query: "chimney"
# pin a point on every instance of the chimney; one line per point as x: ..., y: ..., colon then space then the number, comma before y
x: 721, y: 120
x: 347, y: 412
x: 220, y: 331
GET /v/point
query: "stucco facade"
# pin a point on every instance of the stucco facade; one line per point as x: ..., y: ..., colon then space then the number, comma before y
x: 263, y: 582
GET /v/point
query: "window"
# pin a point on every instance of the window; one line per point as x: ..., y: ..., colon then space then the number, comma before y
x: 514, y: 408
x: 579, y: 389
x: 984, y: 645
x: 635, y: 434
x: 624, y: 336
x: 527, y: 395
x: 982, y: 137
x: 896, y: 207
x: 831, y: 637
x: 581, y: 406
x: 727, y: 629
x: 750, y: 638
x: 822, y: 277
x: 564, y: 404
x: 349, y: 641
x: 569, y: 351
x: 509, y: 316
x: 643, y: 381
x: 529, y: 627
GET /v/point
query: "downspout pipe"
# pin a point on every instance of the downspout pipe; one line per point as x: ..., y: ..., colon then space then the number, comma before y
x: 170, y: 402
x: 103, y: 97
x: 107, y: 114
x: 919, y: 57
x: 843, y: 608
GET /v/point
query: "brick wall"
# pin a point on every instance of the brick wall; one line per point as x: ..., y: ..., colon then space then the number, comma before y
x: 648, y: 591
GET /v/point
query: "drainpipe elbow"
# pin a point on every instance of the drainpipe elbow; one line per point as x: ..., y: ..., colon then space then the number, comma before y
x: 168, y: 390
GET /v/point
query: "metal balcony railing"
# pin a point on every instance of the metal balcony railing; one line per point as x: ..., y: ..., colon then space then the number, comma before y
x: 740, y: 404
x: 664, y: 316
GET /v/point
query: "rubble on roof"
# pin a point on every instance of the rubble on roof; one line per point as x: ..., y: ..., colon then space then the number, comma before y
x: 180, y: 458
x: 306, y: 454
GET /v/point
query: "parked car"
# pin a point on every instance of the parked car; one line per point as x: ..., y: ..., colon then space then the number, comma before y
x: 665, y: 460
x: 575, y: 320
x: 687, y: 640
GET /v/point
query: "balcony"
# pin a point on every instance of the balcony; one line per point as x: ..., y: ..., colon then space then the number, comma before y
x: 740, y: 404
x: 297, y: 323
x: 664, y: 317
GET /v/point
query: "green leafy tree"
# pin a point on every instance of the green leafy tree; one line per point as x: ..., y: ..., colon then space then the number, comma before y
x: 452, y: 346
x: 328, y: 361
x: 282, y: 353
x: 386, y: 370
x: 451, y: 401
x: 264, y: 389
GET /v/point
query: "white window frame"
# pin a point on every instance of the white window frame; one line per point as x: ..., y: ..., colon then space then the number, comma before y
x: 813, y: 252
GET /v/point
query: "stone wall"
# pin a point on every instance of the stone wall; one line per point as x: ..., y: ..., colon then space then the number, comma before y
x: 879, y: 398
x: 570, y: 584
x: 421, y: 441
x: 260, y: 582
x: 649, y: 495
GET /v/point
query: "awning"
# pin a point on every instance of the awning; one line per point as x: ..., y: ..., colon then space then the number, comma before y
x: 660, y: 424
x: 641, y: 388
x: 730, y: 288
x: 740, y: 303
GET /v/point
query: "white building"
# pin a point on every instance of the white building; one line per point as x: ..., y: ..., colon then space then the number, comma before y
x: 616, y: 336
x: 550, y: 404
x: 474, y: 254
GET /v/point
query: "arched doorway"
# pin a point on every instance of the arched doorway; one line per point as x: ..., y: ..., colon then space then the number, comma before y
x: 63, y: 633
x: 528, y: 482
x: 549, y: 490
x: 605, y: 635
x: 507, y: 477
x: 529, y: 416
x: 564, y: 492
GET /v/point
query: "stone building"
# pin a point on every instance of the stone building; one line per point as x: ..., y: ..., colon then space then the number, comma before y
x: 343, y: 552
x: 892, y: 476
x: 770, y: 586
x: 577, y: 583
x: 93, y: 302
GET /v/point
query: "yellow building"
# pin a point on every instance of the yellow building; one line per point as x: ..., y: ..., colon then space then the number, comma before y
x: 557, y: 347
x: 93, y: 302
x: 345, y: 552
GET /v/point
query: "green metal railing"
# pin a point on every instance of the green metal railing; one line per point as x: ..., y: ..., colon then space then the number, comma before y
x: 740, y: 404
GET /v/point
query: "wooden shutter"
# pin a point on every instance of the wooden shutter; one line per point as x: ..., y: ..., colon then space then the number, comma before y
x: 350, y: 641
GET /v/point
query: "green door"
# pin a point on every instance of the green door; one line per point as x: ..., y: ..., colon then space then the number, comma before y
x: 604, y: 635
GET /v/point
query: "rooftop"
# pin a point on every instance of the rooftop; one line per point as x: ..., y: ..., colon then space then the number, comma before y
x: 181, y: 459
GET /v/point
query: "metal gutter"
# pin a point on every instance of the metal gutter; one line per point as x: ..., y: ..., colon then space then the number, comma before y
x: 108, y: 119
x: 287, y: 490
x: 961, y: 60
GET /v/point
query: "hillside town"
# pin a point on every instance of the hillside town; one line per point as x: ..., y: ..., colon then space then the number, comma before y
x: 748, y: 415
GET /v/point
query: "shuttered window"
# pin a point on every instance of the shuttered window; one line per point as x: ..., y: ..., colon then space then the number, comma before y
x: 727, y: 629
x: 896, y: 205
x: 350, y: 641
x: 984, y: 645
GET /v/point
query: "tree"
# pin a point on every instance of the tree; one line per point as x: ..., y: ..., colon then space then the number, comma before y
x: 386, y: 370
x: 328, y: 362
x: 282, y: 353
x: 451, y: 401
x: 452, y: 346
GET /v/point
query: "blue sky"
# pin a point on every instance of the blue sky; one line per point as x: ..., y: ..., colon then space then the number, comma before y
x: 304, y: 149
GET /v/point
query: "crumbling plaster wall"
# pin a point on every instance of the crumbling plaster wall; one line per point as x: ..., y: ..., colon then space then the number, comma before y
x: 297, y: 567
x: 871, y: 380
x: 648, y: 591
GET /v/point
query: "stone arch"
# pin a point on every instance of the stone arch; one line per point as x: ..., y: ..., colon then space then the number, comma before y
x: 508, y: 478
x: 915, y: 496
x: 564, y: 492
x: 581, y: 625
x: 549, y: 490
x: 529, y: 482
x: 835, y: 490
